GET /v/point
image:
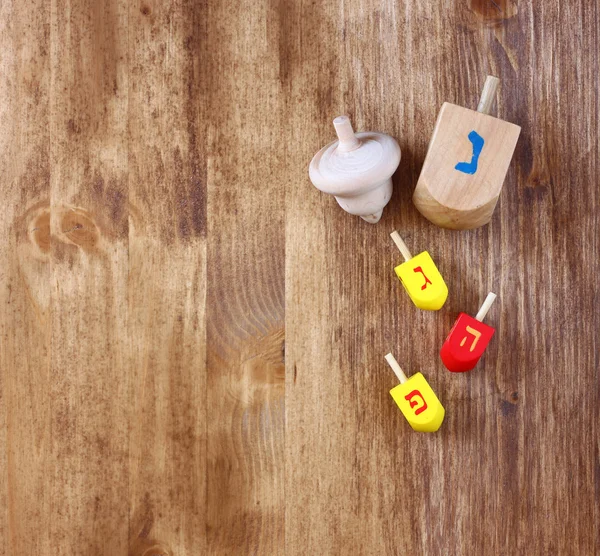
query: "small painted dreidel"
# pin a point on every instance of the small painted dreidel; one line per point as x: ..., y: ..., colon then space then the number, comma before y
x: 468, y: 339
x: 420, y: 277
x: 416, y: 399
x: 466, y: 163
x: 357, y: 169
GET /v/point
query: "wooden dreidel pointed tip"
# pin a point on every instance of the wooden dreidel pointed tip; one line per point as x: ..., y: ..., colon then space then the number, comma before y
x: 417, y: 401
x: 420, y: 277
x: 357, y: 169
x: 468, y: 339
x: 466, y: 164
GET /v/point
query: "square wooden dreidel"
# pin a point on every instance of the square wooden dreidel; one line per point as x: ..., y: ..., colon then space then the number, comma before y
x: 416, y: 399
x: 420, y: 277
x: 466, y: 163
x: 468, y: 339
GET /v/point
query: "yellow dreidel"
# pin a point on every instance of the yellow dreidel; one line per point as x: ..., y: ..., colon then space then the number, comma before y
x: 420, y: 278
x: 416, y: 400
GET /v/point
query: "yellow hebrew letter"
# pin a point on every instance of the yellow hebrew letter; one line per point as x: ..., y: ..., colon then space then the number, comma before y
x: 475, y: 333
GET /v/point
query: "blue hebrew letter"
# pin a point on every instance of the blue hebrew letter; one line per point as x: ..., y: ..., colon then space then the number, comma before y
x: 471, y: 167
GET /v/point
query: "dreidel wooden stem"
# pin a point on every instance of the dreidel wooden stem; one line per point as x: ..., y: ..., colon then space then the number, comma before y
x: 420, y: 277
x: 401, y: 245
x: 466, y: 163
x: 415, y: 398
x: 488, y: 94
x: 468, y: 339
x: 485, y: 307
x: 396, y: 368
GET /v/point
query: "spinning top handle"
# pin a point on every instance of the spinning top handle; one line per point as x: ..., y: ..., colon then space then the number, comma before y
x: 343, y: 128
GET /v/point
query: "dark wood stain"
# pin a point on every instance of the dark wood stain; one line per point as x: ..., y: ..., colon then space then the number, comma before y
x: 41, y: 231
x: 494, y: 11
x: 192, y: 337
x: 78, y: 228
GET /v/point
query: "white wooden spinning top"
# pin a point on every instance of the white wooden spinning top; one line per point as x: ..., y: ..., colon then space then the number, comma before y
x: 357, y: 169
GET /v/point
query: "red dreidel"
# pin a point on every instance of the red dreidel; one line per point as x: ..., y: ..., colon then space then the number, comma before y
x: 468, y: 339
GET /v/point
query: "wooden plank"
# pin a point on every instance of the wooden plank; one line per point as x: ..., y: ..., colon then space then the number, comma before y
x: 167, y: 280
x: 88, y: 383
x: 558, y: 244
x: 325, y: 251
x: 247, y: 181
x: 25, y: 278
x: 161, y: 240
x: 508, y: 469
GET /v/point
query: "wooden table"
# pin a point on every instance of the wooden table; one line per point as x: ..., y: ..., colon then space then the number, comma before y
x: 192, y: 336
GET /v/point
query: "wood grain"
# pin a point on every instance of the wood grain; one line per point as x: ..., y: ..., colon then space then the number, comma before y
x: 247, y: 182
x: 167, y: 278
x: 509, y: 470
x: 26, y: 277
x: 89, y: 261
x: 192, y: 336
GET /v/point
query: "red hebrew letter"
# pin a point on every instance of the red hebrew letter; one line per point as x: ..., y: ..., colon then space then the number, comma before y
x: 413, y: 403
x: 427, y: 280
